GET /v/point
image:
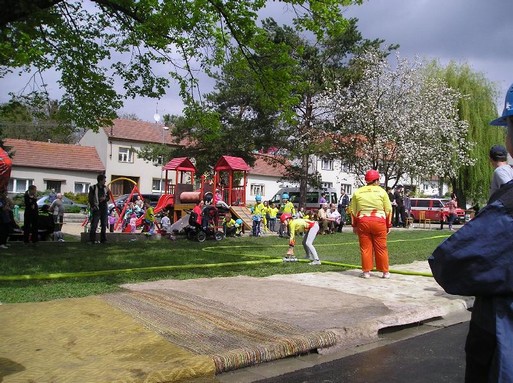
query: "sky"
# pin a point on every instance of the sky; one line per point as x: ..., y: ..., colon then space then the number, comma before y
x: 474, y: 32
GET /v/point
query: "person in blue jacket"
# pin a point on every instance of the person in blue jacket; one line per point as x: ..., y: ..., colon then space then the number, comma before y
x: 478, y: 261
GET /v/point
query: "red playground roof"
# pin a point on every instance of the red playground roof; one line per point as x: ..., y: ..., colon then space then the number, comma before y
x: 180, y: 163
x: 231, y: 163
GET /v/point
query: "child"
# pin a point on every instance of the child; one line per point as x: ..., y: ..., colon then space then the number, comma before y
x: 300, y: 225
x: 238, y: 227
x: 273, y: 212
x: 165, y: 223
x: 149, y: 218
x: 258, y: 213
x: 229, y: 225
x: 112, y: 220
x: 133, y: 223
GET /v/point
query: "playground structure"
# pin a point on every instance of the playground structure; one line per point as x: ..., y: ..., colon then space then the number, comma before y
x: 5, y: 169
x: 181, y: 194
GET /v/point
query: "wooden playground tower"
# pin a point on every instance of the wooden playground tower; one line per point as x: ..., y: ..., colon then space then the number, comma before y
x: 230, y: 178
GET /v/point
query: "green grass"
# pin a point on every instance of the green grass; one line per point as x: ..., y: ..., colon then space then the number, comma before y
x: 74, y: 269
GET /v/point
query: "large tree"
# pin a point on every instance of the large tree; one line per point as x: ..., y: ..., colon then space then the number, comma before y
x: 280, y: 114
x: 142, y: 44
x: 398, y: 120
x: 34, y: 117
x: 477, y: 108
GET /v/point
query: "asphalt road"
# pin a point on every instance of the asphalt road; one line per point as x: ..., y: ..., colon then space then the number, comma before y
x: 437, y: 356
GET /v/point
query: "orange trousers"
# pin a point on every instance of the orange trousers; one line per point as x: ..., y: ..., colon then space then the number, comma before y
x: 372, y: 234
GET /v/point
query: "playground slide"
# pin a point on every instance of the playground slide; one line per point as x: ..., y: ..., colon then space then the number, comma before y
x: 164, y: 201
x: 243, y: 213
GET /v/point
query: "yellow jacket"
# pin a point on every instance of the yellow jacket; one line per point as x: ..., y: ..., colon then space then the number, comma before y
x: 371, y: 202
x: 298, y: 225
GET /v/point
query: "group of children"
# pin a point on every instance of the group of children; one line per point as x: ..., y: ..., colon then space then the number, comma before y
x: 131, y: 216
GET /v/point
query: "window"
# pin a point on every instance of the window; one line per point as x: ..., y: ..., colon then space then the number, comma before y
x: 423, y: 203
x: 346, y: 188
x: 55, y: 185
x: 18, y: 185
x: 81, y: 187
x: 346, y: 168
x: 326, y: 164
x: 257, y: 189
x: 126, y: 155
x: 326, y: 185
x: 156, y: 185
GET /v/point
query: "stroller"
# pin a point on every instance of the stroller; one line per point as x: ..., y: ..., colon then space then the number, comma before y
x: 209, y: 227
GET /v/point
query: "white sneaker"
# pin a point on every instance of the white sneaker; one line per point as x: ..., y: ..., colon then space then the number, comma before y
x: 365, y: 275
x: 386, y: 275
x: 61, y: 240
x: 4, y: 247
x: 315, y: 262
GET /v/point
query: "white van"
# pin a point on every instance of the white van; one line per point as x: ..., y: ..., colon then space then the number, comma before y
x: 312, y: 197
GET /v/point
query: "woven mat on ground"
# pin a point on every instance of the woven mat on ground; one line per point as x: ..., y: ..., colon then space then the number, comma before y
x: 232, y: 338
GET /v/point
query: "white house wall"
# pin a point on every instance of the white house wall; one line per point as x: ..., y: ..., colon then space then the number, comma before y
x: 40, y: 176
x: 270, y: 185
x: 109, y: 155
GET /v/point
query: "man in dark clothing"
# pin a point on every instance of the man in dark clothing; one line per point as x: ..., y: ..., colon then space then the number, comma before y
x: 98, y: 197
x: 30, y: 217
x: 477, y: 260
x: 399, y: 209
x: 343, y: 203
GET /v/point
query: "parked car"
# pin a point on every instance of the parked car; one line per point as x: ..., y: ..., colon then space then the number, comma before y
x: 312, y: 196
x: 435, y: 209
x: 69, y: 204
x: 121, y: 200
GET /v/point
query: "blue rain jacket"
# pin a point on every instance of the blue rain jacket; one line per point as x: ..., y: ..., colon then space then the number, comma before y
x: 477, y: 260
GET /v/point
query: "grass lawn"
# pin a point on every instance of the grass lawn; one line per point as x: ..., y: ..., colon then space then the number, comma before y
x: 74, y: 269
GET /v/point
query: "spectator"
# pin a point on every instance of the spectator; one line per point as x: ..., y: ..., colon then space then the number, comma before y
x: 322, y: 216
x: 5, y: 219
x: 334, y: 219
x: 407, y: 209
x: 399, y: 219
x: 98, y: 197
x: 343, y: 203
x: 371, y: 217
x: 476, y: 260
x: 322, y: 200
x: 451, y: 206
x: 31, y: 215
x: 57, y: 209
x: 503, y: 172
x: 52, y: 196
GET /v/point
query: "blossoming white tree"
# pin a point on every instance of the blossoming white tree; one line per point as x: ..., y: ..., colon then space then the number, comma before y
x: 397, y: 120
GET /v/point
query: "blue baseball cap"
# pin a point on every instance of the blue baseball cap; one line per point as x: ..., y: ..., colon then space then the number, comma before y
x: 508, y: 109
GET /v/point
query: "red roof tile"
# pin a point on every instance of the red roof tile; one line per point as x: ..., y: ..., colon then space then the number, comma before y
x: 265, y: 166
x: 180, y: 163
x: 50, y: 155
x: 141, y: 131
x: 231, y: 163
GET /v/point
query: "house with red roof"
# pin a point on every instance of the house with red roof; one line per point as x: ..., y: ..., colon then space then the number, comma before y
x: 117, y: 148
x: 63, y: 167
x: 113, y: 151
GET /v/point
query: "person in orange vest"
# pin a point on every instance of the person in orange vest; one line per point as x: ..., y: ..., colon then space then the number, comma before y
x: 371, y: 218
